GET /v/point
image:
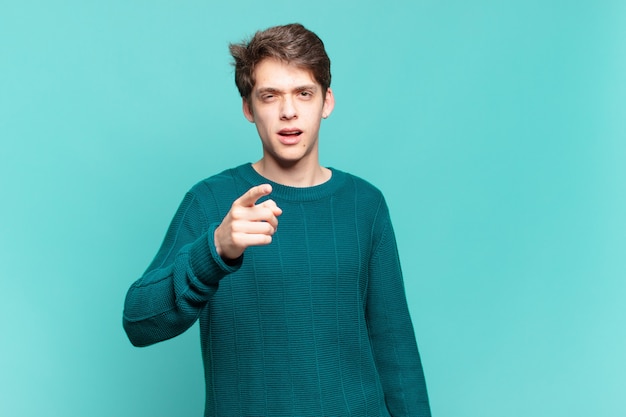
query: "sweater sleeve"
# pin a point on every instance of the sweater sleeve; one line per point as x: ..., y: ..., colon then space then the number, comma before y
x: 183, y: 276
x: 390, y: 328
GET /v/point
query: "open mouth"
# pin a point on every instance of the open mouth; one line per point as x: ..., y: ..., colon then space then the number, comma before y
x: 290, y: 133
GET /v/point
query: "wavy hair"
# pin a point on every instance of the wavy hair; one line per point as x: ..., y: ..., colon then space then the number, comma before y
x: 292, y: 44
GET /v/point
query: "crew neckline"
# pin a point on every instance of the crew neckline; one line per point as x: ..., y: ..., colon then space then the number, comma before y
x: 286, y: 192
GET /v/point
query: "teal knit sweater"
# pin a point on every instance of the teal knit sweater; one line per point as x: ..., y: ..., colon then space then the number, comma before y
x: 314, y: 324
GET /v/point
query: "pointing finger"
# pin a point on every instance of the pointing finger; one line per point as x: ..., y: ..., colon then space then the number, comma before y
x: 253, y: 194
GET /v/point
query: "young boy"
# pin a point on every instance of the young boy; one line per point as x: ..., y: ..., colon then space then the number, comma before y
x: 300, y: 296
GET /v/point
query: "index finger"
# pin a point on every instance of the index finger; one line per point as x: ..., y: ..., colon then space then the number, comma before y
x: 253, y: 194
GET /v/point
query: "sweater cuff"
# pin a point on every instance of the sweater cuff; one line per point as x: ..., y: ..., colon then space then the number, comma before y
x: 206, y: 264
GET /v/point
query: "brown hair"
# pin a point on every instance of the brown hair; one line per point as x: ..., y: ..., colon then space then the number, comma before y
x: 293, y: 44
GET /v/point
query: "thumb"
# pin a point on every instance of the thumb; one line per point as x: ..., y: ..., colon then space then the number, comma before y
x: 251, y: 196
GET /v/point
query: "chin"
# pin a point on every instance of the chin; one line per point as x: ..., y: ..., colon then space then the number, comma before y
x: 288, y: 161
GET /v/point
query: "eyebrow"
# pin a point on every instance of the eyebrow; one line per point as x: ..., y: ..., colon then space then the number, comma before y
x: 273, y: 90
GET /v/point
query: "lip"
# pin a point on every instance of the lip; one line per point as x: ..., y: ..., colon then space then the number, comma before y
x: 289, y: 135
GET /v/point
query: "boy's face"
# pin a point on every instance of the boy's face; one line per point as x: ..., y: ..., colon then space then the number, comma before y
x: 287, y: 106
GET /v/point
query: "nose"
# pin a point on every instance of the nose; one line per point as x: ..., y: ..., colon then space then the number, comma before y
x: 288, y: 109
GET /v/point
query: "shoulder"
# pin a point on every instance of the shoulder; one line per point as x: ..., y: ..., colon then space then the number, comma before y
x: 367, y: 197
x: 225, y: 184
x: 361, y: 188
x: 216, y: 193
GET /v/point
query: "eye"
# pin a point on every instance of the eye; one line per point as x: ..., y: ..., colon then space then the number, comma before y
x: 267, y: 97
x: 306, y: 94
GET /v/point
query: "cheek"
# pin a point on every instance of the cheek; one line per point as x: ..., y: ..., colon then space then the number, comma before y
x: 265, y: 117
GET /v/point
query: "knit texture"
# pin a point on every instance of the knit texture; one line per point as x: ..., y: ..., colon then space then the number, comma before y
x: 314, y: 324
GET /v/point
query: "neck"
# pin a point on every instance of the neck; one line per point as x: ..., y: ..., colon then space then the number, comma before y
x: 295, y: 175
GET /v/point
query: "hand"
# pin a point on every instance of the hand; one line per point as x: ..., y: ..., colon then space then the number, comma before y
x: 247, y: 223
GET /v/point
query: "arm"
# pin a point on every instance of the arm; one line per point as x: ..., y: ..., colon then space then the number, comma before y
x: 183, y: 276
x: 194, y: 257
x: 390, y: 328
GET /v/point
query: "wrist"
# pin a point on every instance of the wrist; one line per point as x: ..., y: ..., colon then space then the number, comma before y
x: 230, y: 257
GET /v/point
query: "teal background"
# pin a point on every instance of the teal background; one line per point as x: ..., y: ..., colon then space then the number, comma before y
x: 497, y: 131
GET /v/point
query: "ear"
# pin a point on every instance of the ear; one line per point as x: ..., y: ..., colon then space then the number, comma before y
x: 329, y: 103
x: 247, y: 110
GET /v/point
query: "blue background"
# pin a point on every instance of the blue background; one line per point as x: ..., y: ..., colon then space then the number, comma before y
x: 497, y: 131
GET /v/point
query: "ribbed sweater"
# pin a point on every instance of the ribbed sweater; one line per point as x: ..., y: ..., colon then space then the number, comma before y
x: 314, y: 324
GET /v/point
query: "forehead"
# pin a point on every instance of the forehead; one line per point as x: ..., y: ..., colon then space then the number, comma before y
x: 275, y: 74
